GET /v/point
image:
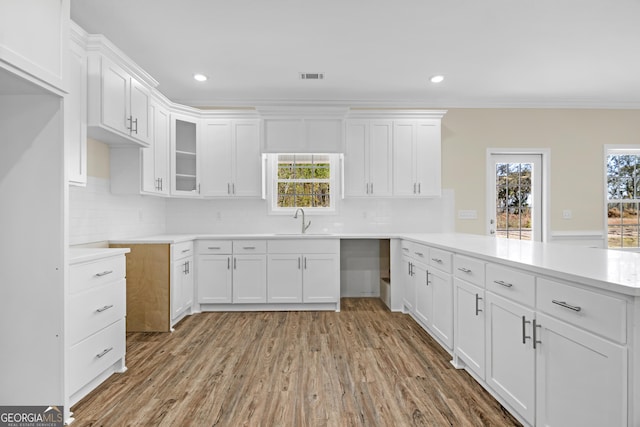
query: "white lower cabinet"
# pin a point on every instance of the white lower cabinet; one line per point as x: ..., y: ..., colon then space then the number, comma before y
x: 423, y: 308
x: 96, y: 320
x: 441, y: 291
x: 249, y: 279
x: 408, y: 285
x: 182, y: 282
x: 510, y: 354
x: 306, y: 271
x: 214, y: 278
x: 469, y: 337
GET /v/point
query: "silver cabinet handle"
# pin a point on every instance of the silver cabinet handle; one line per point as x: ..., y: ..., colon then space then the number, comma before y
x: 161, y: 184
x: 248, y: 247
x: 104, y: 273
x: 478, y: 310
x: 503, y: 283
x: 428, y: 281
x: 184, y: 251
x: 228, y: 188
x: 419, y: 188
x: 438, y: 260
x: 405, y: 249
x: 136, y: 129
x: 464, y: 270
x: 128, y: 119
x: 414, y: 188
x: 234, y: 264
x: 535, y: 334
x: 228, y: 263
x: 104, y: 352
x: 299, y: 263
x: 367, y: 190
x: 420, y: 254
x: 188, y: 267
x: 372, y: 188
x: 217, y: 248
x: 565, y: 305
x: 525, y: 337
x: 233, y: 188
x: 105, y: 308
x: 305, y: 263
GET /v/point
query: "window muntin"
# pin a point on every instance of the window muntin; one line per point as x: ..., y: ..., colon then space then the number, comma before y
x: 303, y: 181
x: 623, y: 198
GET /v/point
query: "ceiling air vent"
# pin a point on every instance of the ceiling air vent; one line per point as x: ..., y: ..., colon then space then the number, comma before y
x: 311, y: 76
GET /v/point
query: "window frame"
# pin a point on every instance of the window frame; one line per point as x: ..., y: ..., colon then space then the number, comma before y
x: 631, y: 149
x: 272, y: 186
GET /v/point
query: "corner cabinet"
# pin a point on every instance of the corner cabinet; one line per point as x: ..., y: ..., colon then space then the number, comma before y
x: 155, y: 158
x: 230, y: 149
x: 185, y: 133
x: 118, y: 104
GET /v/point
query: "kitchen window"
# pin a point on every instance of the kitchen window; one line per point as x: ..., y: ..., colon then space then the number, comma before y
x: 623, y: 197
x: 303, y: 181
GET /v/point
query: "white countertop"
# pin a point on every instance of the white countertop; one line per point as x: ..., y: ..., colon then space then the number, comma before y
x: 78, y: 255
x: 617, y: 271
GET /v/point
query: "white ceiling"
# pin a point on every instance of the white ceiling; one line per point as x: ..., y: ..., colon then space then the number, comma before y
x: 493, y: 53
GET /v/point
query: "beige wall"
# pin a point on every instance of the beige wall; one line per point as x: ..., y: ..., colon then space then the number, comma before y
x: 97, y: 159
x: 575, y: 139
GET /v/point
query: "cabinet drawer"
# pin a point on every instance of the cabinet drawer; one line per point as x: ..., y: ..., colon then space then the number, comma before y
x: 304, y: 246
x: 90, y: 357
x: 214, y: 247
x: 469, y: 269
x: 442, y: 260
x: 181, y: 250
x: 95, y: 309
x: 513, y: 284
x: 95, y: 273
x: 249, y: 246
x: 595, y: 312
x: 415, y: 250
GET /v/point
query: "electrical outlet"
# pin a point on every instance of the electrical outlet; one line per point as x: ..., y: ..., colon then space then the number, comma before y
x: 468, y: 214
x: 566, y: 214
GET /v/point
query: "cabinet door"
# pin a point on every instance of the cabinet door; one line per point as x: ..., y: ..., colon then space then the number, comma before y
x: 140, y: 123
x: 404, y: 183
x: 115, y: 97
x: 409, y: 285
x: 214, y: 279
x: 284, y: 281
x: 442, y: 314
x: 321, y: 279
x: 469, y: 326
x: 380, y: 155
x: 184, y: 155
x: 356, y: 161
x: 510, y: 354
x: 247, y: 159
x: 75, y: 116
x: 424, y: 294
x: 187, y: 285
x: 581, y: 379
x: 161, y: 131
x: 177, y: 279
x: 215, y: 159
x: 428, y: 158
x: 249, y: 279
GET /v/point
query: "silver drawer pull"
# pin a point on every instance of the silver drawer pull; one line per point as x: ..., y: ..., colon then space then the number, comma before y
x: 184, y: 251
x: 248, y: 247
x: 503, y: 283
x: 405, y: 249
x: 104, y: 273
x: 419, y: 254
x: 438, y: 260
x: 565, y: 305
x: 464, y: 270
x: 104, y: 352
x: 105, y: 308
x: 214, y: 247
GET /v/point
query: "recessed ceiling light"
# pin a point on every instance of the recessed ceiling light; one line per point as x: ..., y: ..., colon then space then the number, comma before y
x: 200, y: 77
x: 436, y: 79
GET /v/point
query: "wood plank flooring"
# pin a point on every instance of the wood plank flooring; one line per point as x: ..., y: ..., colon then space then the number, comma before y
x: 364, y: 366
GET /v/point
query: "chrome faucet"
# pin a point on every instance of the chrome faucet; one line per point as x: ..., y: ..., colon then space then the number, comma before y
x: 304, y: 226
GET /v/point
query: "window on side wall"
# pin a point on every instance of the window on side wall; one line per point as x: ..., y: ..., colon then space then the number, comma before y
x: 623, y: 198
x: 305, y: 181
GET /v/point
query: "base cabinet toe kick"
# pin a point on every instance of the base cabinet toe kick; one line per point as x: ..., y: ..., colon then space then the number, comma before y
x: 553, y: 352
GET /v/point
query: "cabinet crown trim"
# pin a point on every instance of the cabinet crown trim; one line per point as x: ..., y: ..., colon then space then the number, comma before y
x: 395, y: 114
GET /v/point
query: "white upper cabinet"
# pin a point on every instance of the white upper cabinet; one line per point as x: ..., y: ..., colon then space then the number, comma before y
x: 118, y: 104
x: 155, y: 158
x: 302, y: 135
x: 230, y: 158
x: 185, y: 148
x: 75, y: 114
x: 367, y: 160
x: 416, y: 158
x: 34, y: 37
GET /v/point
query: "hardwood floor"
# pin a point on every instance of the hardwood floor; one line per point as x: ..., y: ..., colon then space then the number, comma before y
x: 364, y: 366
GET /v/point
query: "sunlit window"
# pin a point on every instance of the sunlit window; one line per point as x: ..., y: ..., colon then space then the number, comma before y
x: 623, y: 198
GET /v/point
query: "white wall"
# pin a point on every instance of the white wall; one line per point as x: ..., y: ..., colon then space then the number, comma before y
x: 354, y: 216
x: 96, y: 215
